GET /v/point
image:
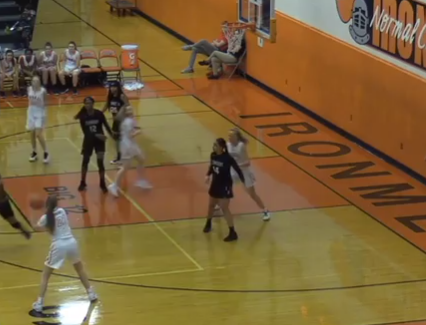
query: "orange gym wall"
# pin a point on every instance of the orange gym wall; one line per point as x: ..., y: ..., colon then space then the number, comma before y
x: 378, y: 103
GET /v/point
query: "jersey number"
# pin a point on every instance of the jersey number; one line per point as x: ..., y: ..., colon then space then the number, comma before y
x: 93, y: 128
x: 216, y: 169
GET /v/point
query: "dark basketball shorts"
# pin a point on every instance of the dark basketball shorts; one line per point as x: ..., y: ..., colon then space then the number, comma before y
x: 90, y: 145
x: 221, y: 191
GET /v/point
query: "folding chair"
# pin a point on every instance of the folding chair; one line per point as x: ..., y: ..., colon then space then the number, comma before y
x: 237, y: 65
x: 89, y: 58
x: 113, y: 71
x: 91, y: 55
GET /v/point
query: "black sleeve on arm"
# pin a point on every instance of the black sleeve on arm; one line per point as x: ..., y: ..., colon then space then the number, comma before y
x: 78, y: 115
x: 83, y: 129
x: 237, y: 169
x: 210, y: 170
x: 105, y: 123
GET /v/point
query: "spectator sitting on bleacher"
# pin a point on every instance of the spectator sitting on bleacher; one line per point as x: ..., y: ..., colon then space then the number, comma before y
x: 71, y: 68
x: 206, y: 48
x: 217, y: 59
x: 9, y: 71
x: 47, y: 65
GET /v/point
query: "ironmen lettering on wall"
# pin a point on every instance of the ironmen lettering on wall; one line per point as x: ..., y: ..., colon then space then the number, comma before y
x: 361, y: 181
x: 396, y: 27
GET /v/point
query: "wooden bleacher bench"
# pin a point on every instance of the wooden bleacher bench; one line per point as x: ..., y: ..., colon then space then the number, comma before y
x: 121, y: 6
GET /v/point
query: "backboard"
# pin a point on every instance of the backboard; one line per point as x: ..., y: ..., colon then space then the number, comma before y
x: 260, y: 12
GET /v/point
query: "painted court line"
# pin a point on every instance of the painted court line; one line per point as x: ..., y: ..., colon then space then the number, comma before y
x: 152, y: 220
x: 118, y: 277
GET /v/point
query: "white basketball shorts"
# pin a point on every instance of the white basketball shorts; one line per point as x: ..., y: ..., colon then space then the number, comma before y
x: 35, y: 121
x: 249, y: 178
x: 63, y: 250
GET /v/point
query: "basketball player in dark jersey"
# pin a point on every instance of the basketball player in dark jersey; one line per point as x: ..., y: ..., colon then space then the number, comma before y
x: 7, y: 213
x: 219, y: 176
x: 116, y: 100
x: 92, y: 122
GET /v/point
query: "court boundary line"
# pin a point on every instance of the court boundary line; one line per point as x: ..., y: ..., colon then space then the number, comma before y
x: 76, y: 122
x: 146, y: 223
x: 159, y: 92
x: 115, y: 167
x: 147, y: 216
x: 77, y: 280
x: 234, y: 291
x: 17, y: 100
x: 401, y: 322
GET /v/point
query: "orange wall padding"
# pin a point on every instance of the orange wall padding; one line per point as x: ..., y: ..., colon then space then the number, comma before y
x: 373, y: 100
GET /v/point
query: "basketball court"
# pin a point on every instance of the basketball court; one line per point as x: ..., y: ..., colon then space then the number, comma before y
x: 346, y: 243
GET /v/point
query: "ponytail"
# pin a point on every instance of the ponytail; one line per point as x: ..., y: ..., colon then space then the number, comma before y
x: 240, y: 136
x: 51, y: 204
x: 221, y: 142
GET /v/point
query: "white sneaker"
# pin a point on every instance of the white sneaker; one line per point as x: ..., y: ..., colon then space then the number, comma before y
x: 33, y: 157
x: 187, y: 70
x: 143, y: 184
x: 38, y: 306
x: 187, y: 47
x: 92, y: 295
x: 266, y: 215
x: 113, y: 189
x: 46, y: 158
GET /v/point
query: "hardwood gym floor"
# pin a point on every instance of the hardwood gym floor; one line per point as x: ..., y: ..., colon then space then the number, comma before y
x: 342, y: 246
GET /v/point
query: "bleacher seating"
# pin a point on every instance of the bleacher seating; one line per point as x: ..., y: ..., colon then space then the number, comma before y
x: 16, y: 27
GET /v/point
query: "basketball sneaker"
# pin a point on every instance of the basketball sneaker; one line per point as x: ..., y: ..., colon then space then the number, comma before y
x: 33, y: 156
x: 46, y: 158
x: 113, y: 189
x: 266, y: 215
x: 143, y: 184
x: 38, y: 305
x: 92, y: 295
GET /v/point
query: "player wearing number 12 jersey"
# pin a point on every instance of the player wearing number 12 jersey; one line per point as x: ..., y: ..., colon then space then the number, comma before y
x: 220, y: 178
x: 92, y: 122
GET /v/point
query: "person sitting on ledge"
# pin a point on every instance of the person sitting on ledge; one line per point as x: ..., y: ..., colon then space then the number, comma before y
x: 205, y: 47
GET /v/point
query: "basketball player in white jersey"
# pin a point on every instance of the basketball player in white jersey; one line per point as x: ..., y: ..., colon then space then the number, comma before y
x: 47, y: 65
x: 36, y: 118
x: 64, y: 247
x: 237, y: 148
x: 71, y: 67
x: 9, y: 70
x: 129, y: 150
